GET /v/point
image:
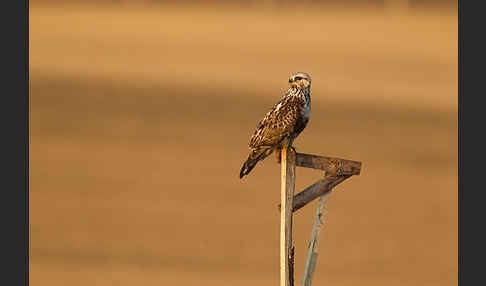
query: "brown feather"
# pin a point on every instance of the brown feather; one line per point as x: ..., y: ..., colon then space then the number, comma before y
x: 280, y: 126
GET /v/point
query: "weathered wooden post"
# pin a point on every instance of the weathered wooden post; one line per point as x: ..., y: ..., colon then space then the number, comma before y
x: 315, y: 241
x: 336, y: 171
x: 287, y: 198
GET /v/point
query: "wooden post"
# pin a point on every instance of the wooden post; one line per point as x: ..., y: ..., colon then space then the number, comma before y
x: 287, y: 196
x: 316, y: 190
x: 336, y: 171
x: 313, y: 251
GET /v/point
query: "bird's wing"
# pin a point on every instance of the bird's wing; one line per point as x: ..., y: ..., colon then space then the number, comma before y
x: 278, y: 123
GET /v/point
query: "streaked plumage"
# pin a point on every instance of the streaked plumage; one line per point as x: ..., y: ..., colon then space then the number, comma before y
x: 283, y: 123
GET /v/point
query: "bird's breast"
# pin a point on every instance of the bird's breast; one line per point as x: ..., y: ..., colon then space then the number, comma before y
x: 307, y: 109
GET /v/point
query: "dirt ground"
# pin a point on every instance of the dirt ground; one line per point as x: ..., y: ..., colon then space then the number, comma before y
x: 140, y: 120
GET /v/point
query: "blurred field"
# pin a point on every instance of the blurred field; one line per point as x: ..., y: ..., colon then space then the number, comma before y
x: 140, y: 120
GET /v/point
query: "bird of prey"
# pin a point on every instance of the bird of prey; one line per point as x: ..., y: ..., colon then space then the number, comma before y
x: 282, y: 124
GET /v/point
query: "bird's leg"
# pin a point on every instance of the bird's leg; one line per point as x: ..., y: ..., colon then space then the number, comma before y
x: 278, y: 154
x: 287, y: 145
x: 290, y: 147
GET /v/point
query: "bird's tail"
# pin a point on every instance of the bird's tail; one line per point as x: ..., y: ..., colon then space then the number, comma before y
x: 254, y: 157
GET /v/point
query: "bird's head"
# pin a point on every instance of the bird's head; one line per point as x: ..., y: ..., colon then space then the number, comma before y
x: 300, y: 80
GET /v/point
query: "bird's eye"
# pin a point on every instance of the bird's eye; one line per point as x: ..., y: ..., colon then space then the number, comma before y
x: 298, y: 78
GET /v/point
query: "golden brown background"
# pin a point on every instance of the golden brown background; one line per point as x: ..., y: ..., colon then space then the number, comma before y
x: 141, y: 113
